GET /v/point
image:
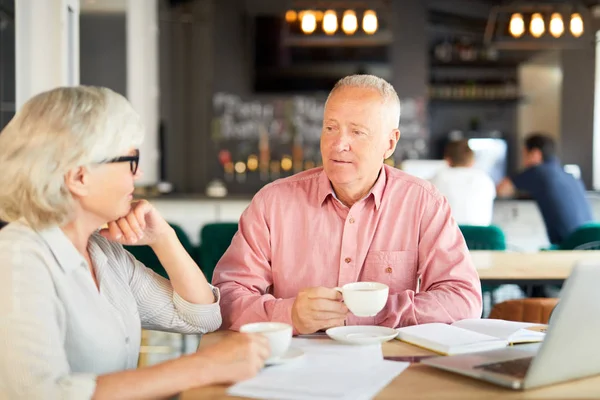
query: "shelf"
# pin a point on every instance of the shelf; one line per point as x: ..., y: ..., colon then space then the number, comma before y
x: 384, y: 38
x: 474, y: 64
x: 474, y: 100
x: 332, y: 70
x: 474, y: 93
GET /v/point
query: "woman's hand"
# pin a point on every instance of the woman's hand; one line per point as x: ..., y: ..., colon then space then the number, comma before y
x: 237, y: 357
x: 143, y: 225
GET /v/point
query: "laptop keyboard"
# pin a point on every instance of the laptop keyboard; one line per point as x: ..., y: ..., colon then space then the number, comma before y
x: 516, y: 368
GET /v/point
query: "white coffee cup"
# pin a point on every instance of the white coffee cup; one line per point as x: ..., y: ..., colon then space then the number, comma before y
x: 365, y: 299
x: 278, y: 334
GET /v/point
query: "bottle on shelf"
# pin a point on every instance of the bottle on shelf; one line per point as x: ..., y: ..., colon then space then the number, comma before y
x: 264, y: 154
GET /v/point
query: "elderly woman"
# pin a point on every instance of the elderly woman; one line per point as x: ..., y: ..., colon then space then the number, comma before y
x: 72, y: 300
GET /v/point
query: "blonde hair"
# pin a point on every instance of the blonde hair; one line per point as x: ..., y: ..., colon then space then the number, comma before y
x: 54, y: 132
x: 384, y: 88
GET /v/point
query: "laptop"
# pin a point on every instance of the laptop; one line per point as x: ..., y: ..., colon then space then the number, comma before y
x: 570, y: 350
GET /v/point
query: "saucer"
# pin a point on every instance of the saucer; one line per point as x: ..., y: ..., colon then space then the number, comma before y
x: 361, y: 334
x: 292, y: 354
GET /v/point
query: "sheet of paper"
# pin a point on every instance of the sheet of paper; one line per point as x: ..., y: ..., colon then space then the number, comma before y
x: 328, y: 370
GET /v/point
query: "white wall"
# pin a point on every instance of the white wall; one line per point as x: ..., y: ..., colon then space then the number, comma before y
x: 47, y: 46
x: 142, y: 80
x: 139, y: 60
x: 596, y: 143
x: 540, y: 80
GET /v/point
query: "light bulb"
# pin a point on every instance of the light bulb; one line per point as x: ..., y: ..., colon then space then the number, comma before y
x: 576, y: 25
x: 330, y: 23
x: 240, y: 167
x: 369, y: 23
x: 309, y: 22
x: 349, y: 22
x: 517, y: 25
x: 557, y: 27
x: 286, y: 163
x: 291, y: 16
x: 536, y: 27
x: 252, y: 162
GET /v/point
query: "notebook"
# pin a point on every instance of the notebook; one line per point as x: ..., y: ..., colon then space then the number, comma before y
x: 513, y: 332
x: 468, y: 336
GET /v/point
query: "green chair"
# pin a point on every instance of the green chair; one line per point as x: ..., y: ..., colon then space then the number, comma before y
x: 586, y: 237
x: 483, y: 237
x: 215, y: 238
x: 146, y: 256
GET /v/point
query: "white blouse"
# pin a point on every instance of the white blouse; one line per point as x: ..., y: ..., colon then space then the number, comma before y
x: 58, y: 331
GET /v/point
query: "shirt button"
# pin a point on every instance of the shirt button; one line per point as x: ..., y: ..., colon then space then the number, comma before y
x: 351, y: 220
x: 388, y: 270
x: 127, y: 340
x: 347, y: 259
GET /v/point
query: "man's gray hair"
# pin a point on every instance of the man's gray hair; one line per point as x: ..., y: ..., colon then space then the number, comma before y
x: 384, y: 88
x: 52, y: 133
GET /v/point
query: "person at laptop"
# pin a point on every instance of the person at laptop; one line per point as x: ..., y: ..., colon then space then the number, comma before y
x: 470, y: 191
x: 560, y: 197
x: 354, y: 219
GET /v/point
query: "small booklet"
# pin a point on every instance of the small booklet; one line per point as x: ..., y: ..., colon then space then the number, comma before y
x: 471, y: 335
x: 513, y: 332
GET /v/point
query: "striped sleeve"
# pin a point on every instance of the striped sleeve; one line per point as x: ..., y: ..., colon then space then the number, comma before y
x: 33, y: 361
x: 160, y: 307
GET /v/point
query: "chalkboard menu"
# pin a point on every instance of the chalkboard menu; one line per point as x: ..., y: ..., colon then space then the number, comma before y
x: 258, y: 140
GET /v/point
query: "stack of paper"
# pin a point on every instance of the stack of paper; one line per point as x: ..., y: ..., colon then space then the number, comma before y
x: 328, y: 370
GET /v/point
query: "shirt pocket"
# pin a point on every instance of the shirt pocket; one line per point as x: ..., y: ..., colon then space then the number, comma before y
x: 397, y: 269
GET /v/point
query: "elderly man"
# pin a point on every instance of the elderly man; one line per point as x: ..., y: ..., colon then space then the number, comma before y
x: 352, y: 220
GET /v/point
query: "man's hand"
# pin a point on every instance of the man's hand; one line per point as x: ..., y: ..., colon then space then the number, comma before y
x: 318, y: 308
x: 506, y: 188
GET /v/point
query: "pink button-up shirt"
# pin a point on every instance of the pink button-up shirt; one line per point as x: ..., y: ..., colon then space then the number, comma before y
x: 296, y: 234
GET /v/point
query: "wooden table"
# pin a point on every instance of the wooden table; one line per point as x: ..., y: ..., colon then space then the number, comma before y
x: 423, y: 382
x: 533, y: 268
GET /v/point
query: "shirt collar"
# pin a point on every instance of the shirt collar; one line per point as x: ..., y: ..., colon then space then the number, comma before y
x: 379, y: 187
x: 325, y: 188
x: 65, y: 252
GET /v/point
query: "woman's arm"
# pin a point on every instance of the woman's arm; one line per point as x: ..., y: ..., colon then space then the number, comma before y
x: 159, y: 381
x: 187, y: 279
x: 35, y: 364
x: 235, y: 358
x: 144, y: 226
x: 186, y: 303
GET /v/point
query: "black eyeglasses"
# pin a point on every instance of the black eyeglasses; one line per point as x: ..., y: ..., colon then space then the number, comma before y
x: 134, y: 161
